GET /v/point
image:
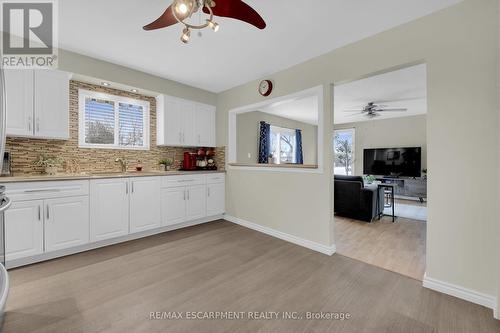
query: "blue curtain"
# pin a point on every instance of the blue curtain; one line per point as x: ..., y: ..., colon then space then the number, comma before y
x: 264, y: 142
x: 299, y: 155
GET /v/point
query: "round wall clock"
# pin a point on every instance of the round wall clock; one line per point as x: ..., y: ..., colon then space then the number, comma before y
x: 266, y: 88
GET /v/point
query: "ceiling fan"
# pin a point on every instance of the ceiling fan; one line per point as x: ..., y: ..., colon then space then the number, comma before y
x: 182, y: 10
x: 373, y: 109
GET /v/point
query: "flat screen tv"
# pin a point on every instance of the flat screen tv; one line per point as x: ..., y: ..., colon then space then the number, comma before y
x: 393, y: 162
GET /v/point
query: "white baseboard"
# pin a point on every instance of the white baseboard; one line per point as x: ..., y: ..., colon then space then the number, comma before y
x: 91, y: 246
x: 328, y: 250
x: 462, y: 293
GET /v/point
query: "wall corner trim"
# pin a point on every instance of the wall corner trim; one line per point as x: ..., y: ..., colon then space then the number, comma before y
x: 461, y: 292
x: 328, y: 250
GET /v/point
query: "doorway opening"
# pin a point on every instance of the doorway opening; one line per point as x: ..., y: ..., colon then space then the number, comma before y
x: 380, y: 169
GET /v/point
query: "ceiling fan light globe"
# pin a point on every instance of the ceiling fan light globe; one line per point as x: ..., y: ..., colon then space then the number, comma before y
x: 186, y: 36
x: 213, y: 25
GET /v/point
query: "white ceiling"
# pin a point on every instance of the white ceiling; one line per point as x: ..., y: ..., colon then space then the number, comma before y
x: 297, y: 31
x: 303, y: 109
x: 405, y: 88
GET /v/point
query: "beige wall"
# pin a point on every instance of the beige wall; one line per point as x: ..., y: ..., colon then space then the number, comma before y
x: 498, y: 187
x: 459, y: 45
x: 247, y: 136
x: 83, y: 65
x: 388, y: 133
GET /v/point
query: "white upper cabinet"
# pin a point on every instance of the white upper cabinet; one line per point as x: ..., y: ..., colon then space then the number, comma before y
x: 204, y: 125
x: 37, y: 103
x: 51, y: 104
x: 19, y: 98
x: 184, y: 123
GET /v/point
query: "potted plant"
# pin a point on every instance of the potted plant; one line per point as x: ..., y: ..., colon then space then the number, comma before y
x: 369, y: 179
x: 165, y: 164
x: 50, y: 163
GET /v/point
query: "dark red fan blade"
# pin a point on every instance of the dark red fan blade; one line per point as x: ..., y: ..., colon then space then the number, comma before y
x: 163, y: 21
x: 239, y: 10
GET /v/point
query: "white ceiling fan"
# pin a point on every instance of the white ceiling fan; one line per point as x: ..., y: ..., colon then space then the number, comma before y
x: 373, y: 109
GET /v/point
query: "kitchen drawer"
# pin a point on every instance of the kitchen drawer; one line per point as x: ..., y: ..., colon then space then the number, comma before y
x: 46, y: 189
x: 184, y: 180
x: 216, y: 178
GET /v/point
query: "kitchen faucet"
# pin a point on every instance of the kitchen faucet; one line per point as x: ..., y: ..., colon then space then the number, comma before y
x: 123, y: 163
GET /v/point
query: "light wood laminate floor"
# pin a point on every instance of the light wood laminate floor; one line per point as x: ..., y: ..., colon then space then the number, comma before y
x: 398, y: 247
x: 224, y: 267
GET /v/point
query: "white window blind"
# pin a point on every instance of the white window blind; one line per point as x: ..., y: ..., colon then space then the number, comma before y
x: 109, y: 121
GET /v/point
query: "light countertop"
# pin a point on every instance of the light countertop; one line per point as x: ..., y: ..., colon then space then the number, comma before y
x: 101, y: 175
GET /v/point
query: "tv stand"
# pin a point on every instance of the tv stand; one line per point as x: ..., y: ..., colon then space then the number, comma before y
x: 408, y: 187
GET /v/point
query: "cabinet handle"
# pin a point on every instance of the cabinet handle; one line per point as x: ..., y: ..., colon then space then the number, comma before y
x: 188, y: 194
x: 183, y: 137
x: 180, y: 137
x: 48, y: 212
x: 126, y: 188
x: 184, y: 195
x: 29, y: 124
x: 37, y: 124
x: 208, y: 190
x: 39, y: 212
x: 132, y: 187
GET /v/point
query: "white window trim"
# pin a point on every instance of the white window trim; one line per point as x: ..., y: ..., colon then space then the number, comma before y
x: 346, y: 130
x: 83, y: 94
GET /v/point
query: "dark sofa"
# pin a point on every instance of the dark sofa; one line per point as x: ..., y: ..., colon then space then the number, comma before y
x: 355, y: 201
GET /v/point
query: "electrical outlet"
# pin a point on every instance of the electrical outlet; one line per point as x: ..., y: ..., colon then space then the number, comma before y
x: 249, y: 155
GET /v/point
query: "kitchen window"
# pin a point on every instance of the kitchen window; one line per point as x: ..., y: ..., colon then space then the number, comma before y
x: 283, y: 145
x: 113, y: 122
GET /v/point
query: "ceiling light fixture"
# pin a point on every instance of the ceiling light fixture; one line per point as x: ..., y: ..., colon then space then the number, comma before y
x: 184, y: 9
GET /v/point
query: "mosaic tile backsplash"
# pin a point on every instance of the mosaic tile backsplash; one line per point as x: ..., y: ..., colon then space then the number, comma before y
x: 24, y: 152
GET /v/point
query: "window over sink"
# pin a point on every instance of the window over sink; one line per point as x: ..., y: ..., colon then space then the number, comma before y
x: 112, y: 122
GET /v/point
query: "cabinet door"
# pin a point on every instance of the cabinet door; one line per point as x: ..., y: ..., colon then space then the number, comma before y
x: 204, y: 125
x: 173, y: 205
x: 51, y: 104
x: 145, y: 203
x: 24, y: 229
x: 216, y: 199
x: 109, y: 208
x: 19, y: 98
x: 172, y: 122
x: 188, y: 115
x: 196, y: 202
x: 66, y: 222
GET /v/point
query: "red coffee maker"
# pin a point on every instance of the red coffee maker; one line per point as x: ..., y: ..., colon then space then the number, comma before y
x: 189, y: 162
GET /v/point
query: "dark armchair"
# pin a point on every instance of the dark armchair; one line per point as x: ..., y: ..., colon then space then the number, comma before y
x: 354, y: 200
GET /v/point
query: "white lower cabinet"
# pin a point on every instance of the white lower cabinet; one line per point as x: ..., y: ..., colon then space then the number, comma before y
x: 24, y: 229
x: 66, y: 222
x: 145, y: 203
x: 50, y: 216
x: 180, y: 204
x: 216, y: 199
x: 173, y: 205
x: 109, y: 208
x: 196, y: 203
